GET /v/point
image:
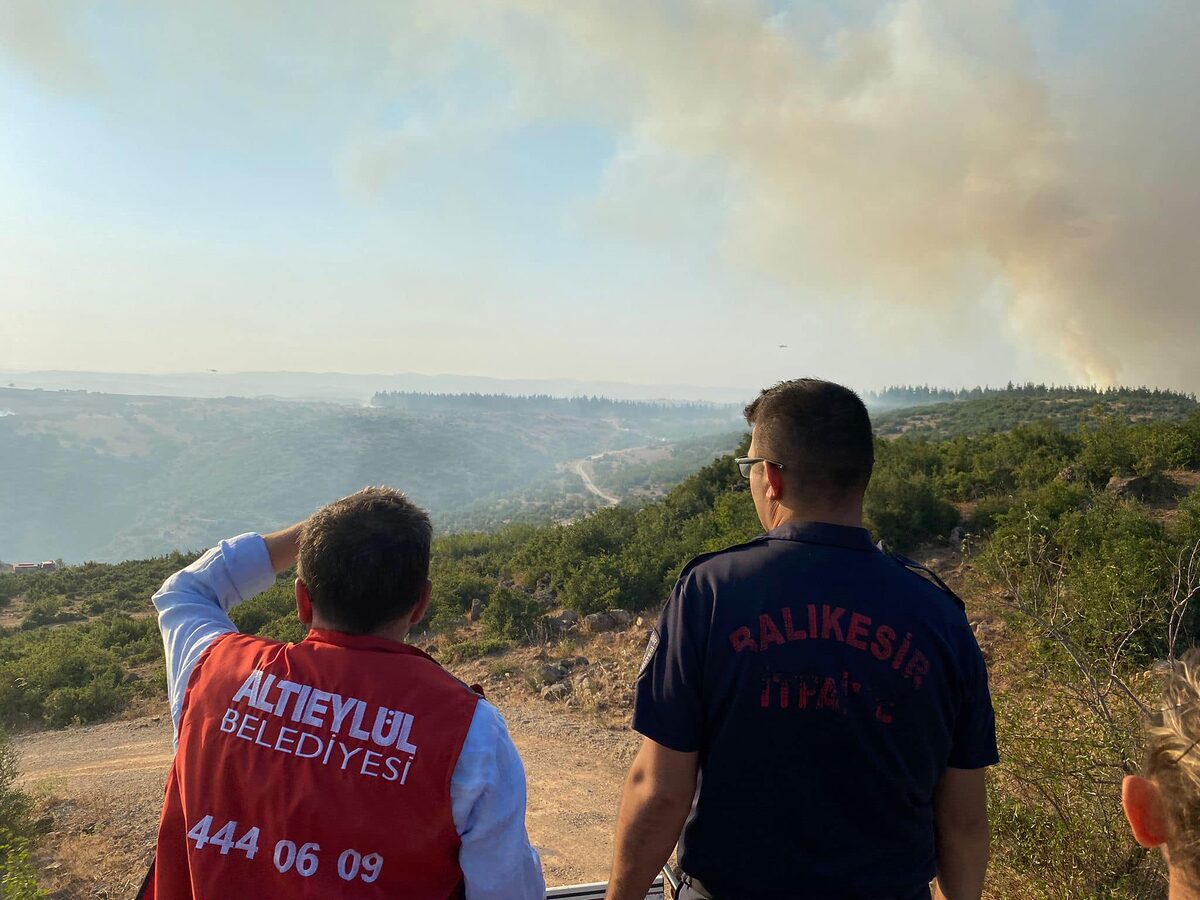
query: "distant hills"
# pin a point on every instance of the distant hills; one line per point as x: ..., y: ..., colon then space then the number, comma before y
x: 982, y: 409
x: 353, y: 389
x: 110, y: 477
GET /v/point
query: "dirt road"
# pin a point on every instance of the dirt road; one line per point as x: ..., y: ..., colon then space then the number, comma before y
x: 586, y: 477
x: 102, y: 785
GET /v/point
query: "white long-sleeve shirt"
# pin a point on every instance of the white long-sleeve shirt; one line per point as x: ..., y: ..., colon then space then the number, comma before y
x: 487, y: 789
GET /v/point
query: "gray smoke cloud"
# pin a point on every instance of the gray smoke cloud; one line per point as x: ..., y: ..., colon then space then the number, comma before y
x: 915, y: 159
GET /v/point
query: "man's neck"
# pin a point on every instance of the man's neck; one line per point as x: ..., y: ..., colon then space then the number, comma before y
x: 850, y: 517
x: 395, y: 631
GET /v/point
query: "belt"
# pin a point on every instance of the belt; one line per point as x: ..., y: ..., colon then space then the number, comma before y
x: 697, y: 888
x: 699, y: 892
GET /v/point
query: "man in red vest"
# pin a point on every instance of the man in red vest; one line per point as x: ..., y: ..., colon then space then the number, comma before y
x: 348, y: 765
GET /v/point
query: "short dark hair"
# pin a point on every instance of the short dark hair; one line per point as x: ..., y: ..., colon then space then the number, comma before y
x: 819, y: 431
x: 365, y: 559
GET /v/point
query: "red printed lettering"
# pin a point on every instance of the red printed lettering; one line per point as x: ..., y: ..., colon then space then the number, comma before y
x: 806, y: 693
x: 742, y: 639
x: 828, y: 698
x: 768, y: 633
x: 830, y: 622
x: 859, y: 625
x: 881, y: 647
x: 900, y: 654
x: 917, y: 666
x: 783, y: 691
x: 788, y: 630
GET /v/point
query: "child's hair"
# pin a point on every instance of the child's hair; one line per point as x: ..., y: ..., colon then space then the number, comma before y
x: 1173, y: 763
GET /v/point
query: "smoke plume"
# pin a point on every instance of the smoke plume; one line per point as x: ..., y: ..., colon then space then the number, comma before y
x: 914, y: 160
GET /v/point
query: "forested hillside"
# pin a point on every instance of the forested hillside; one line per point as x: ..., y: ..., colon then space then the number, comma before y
x: 108, y: 477
x: 950, y: 413
x: 1076, y: 552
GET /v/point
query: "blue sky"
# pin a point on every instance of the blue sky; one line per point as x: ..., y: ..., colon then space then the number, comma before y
x: 914, y: 191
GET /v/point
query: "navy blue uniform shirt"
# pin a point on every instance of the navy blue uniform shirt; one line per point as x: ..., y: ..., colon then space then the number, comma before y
x: 826, y: 689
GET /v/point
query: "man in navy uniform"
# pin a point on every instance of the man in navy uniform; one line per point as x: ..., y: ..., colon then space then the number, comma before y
x: 815, y: 713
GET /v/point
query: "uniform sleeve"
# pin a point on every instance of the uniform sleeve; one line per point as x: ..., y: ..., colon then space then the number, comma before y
x: 975, y: 728
x: 669, y: 700
x: 487, y: 796
x: 193, y: 605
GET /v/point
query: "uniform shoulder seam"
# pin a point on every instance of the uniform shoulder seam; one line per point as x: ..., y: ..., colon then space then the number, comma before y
x: 704, y: 557
x: 930, y: 577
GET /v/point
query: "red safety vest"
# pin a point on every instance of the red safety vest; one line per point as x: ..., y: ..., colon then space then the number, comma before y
x: 318, y: 769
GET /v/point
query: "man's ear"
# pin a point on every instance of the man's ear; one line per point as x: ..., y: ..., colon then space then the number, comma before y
x: 774, y: 476
x: 1143, y: 805
x: 422, y: 606
x: 303, y: 603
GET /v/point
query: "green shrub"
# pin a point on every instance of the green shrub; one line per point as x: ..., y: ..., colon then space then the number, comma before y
x: 1092, y: 563
x: 510, y: 614
x: 903, y: 509
x: 453, y: 590
x: 472, y: 649
x: 276, y: 602
x: 988, y: 512
x: 79, y: 672
x: 593, y: 586
x: 17, y: 829
x: 75, y: 705
x: 286, y: 628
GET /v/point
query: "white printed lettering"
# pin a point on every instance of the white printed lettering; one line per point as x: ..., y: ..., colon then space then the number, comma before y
x: 300, y: 746
x: 316, y: 708
x: 249, y: 687
x: 229, y: 720
x: 286, y: 690
x: 402, y: 743
x: 372, y: 865
x: 356, y: 730
x: 369, y: 763
x: 341, y: 709
x: 260, y: 701
x: 224, y: 837
x: 346, y: 757
x: 389, y: 719
x: 393, y: 769
x: 248, y: 723
x: 307, y: 859
x: 281, y: 737
x: 348, y: 864
x: 301, y: 700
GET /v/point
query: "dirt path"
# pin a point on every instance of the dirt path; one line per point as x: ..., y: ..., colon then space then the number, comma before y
x: 102, y: 787
x: 586, y: 476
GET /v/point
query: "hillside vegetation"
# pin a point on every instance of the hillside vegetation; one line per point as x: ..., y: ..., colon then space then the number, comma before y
x: 108, y: 477
x: 948, y: 414
x: 1079, y: 566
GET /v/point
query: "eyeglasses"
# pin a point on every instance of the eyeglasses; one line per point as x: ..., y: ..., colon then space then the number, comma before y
x: 746, y: 463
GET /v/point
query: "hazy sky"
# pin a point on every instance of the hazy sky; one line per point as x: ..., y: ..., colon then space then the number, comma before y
x: 952, y: 191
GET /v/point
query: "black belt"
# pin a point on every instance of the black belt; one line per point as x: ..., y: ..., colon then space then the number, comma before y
x: 693, y: 889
